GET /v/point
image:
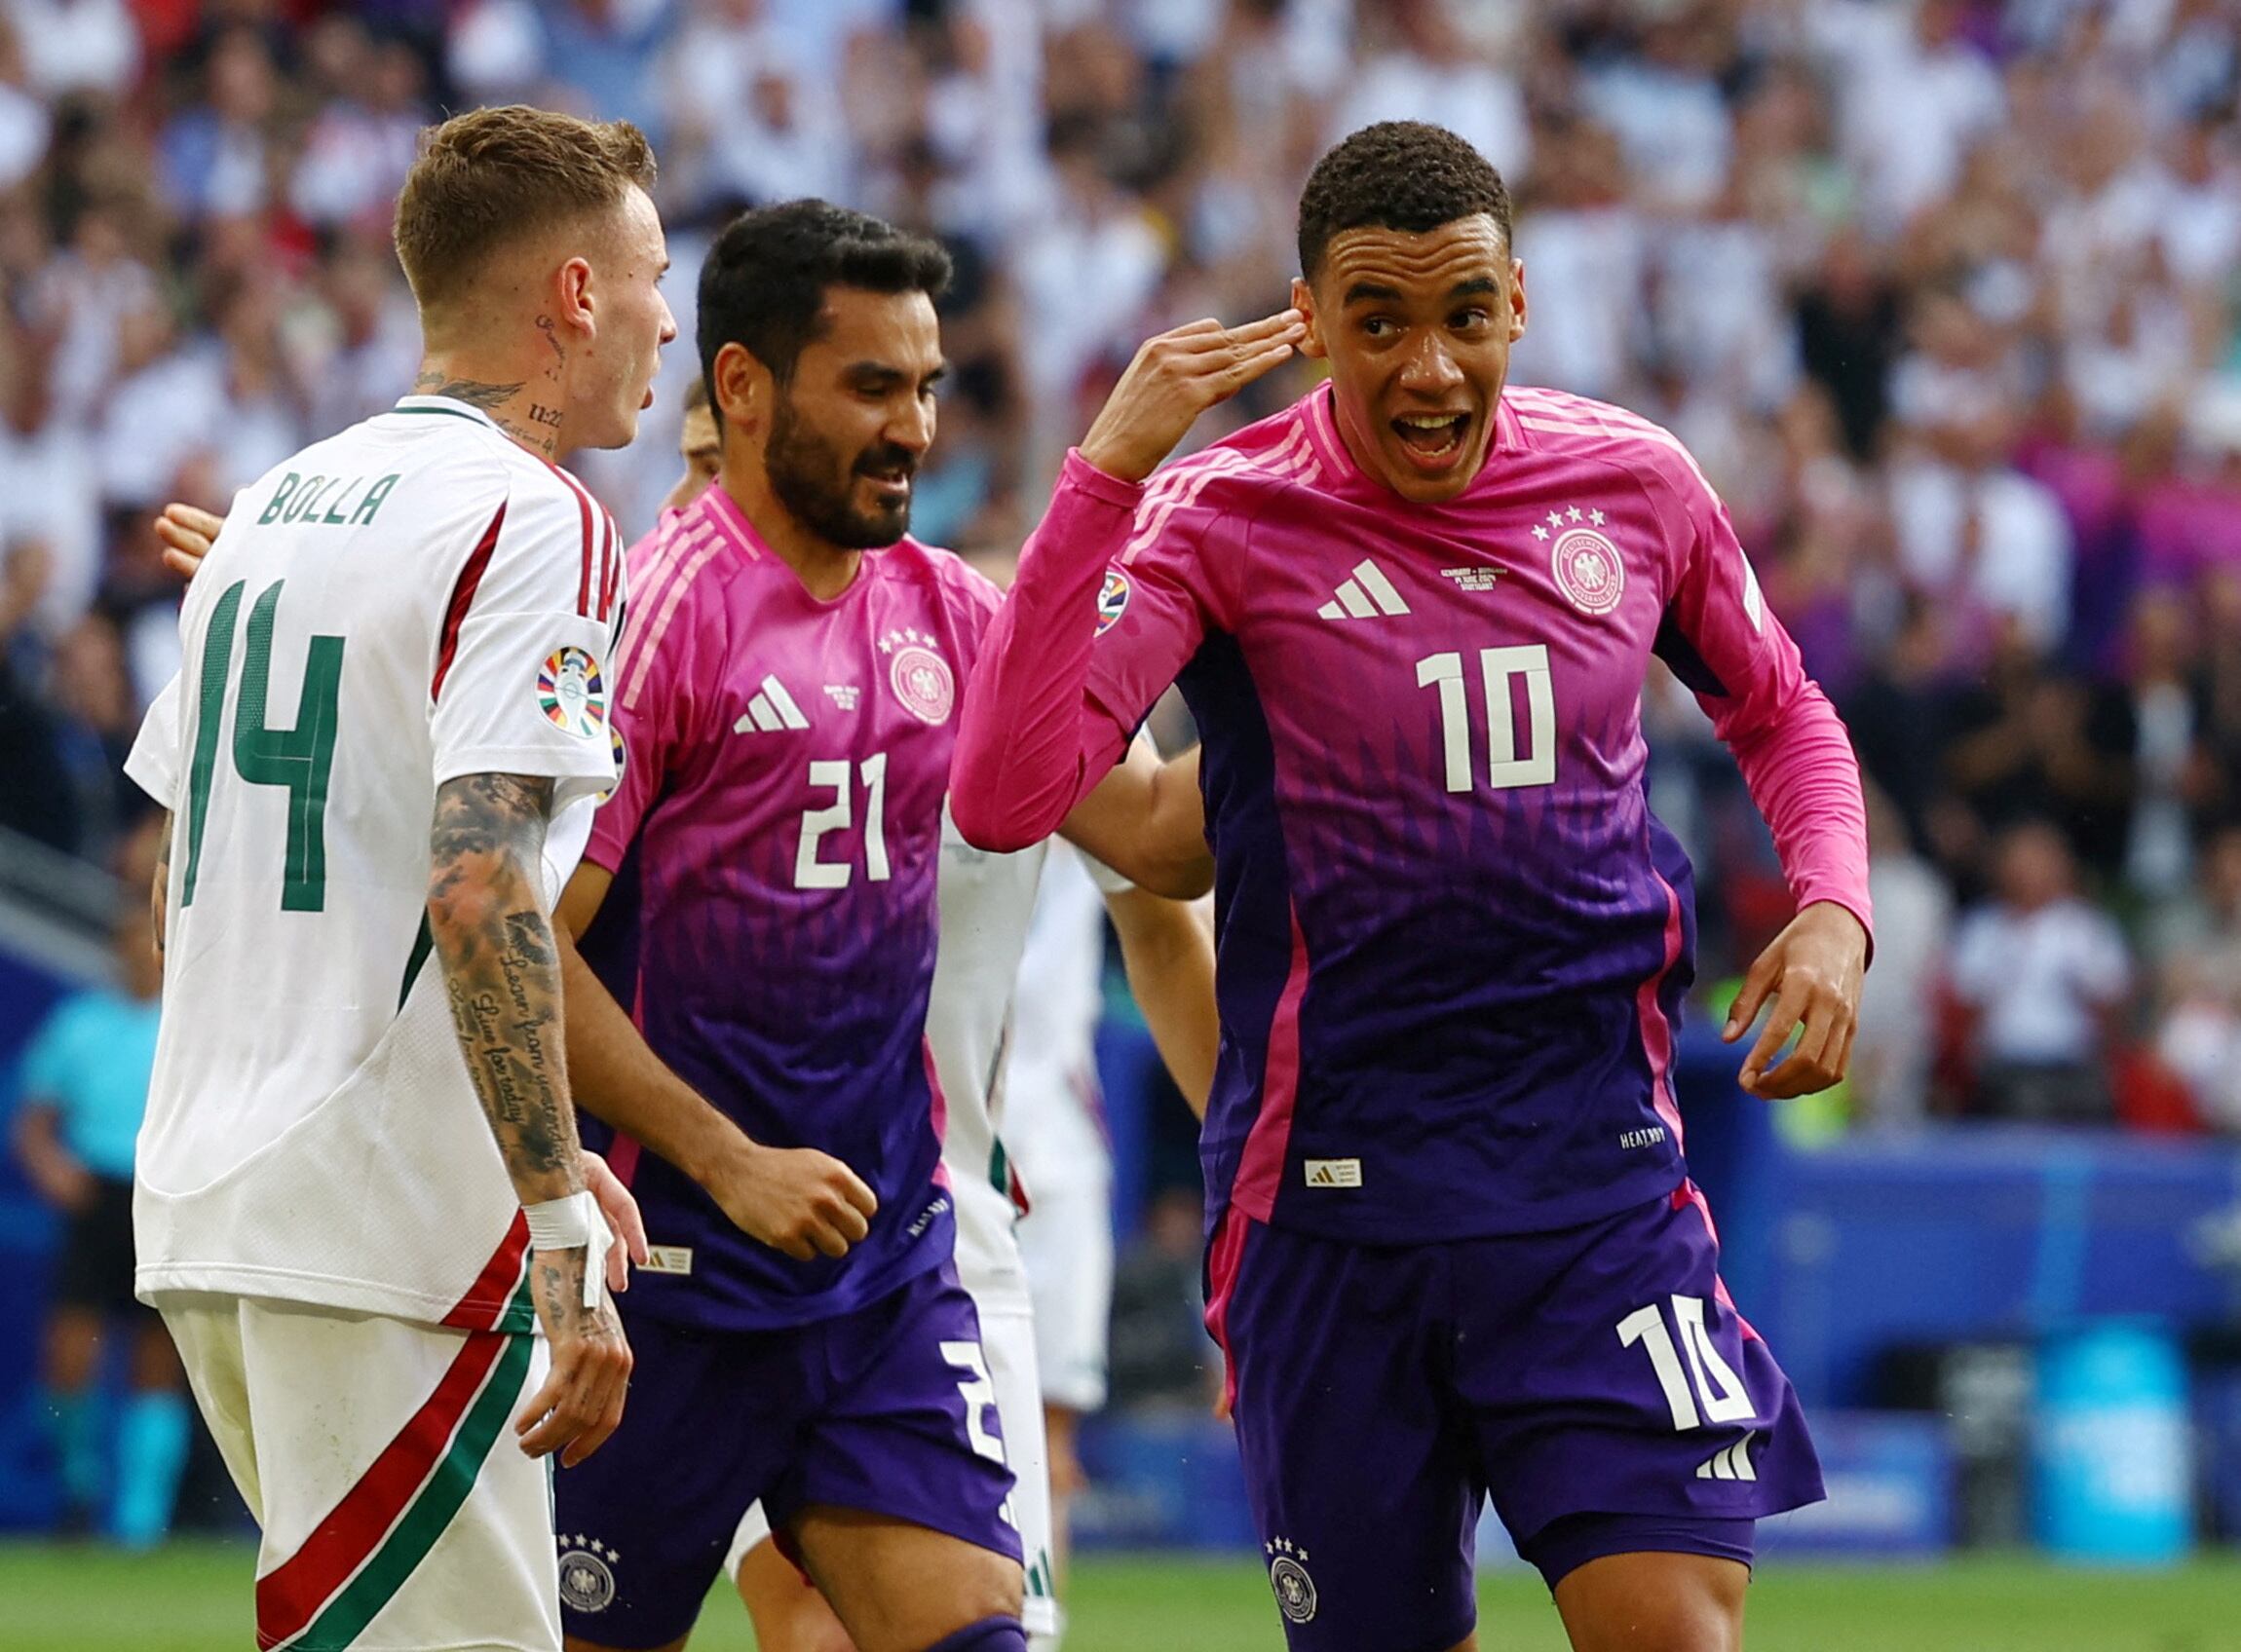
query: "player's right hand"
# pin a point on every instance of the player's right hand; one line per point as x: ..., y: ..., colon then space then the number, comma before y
x: 581, y: 1403
x: 187, y: 532
x: 795, y: 1199
x: 1175, y: 378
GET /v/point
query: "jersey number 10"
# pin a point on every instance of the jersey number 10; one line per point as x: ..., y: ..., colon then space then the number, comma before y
x: 1718, y: 1394
x: 1506, y: 768
x: 299, y: 759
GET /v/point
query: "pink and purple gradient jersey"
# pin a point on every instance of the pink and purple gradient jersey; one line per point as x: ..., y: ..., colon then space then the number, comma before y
x: 1453, y: 939
x: 776, y: 837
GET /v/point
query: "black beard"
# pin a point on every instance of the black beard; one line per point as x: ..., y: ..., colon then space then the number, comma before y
x: 800, y: 462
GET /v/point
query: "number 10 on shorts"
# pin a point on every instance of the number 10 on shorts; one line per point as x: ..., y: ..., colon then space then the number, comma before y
x: 1717, y: 1395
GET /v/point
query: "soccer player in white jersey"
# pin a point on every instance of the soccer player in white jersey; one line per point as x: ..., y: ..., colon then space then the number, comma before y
x: 1054, y: 1126
x: 360, y: 1184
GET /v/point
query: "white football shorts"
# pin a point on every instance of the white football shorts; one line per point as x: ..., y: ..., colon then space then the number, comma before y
x: 378, y: 1455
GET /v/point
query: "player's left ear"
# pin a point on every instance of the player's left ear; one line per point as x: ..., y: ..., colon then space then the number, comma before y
x: 1304, y: 301
x: 573, y: 304
x: 1516, y: 299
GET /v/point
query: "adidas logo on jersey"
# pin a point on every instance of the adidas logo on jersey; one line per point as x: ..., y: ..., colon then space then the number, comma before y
x: 771, y: 710
x: 1334, y: 1173
x: 1734, y: 1463
x: 1365, y: 596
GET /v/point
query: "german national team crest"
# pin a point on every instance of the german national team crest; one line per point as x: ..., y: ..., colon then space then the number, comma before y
x: 1586, y: 565
x: 1112, y: 600
x: 920, y: 677
x: 587, y: 1574
x: 1288, y: 1577
x: 573, y: 693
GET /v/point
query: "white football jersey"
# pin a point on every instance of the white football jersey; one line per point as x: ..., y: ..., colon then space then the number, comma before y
x: 1056, y: 1122
x: 986, y: 902
x: 413, y: 600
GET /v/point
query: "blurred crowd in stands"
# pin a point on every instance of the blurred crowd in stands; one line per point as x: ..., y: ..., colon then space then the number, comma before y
x: 1942, y: 294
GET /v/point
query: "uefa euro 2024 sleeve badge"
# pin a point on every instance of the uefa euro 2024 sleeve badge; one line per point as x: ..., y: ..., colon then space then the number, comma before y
x: 572, y: 693
x: 1112, y: 600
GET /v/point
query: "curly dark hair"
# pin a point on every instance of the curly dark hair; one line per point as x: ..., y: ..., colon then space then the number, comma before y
x: 1397, y: 175
x: 764, y: 284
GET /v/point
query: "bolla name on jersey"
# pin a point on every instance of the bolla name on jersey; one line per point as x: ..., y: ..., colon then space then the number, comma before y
x: 335, y: 502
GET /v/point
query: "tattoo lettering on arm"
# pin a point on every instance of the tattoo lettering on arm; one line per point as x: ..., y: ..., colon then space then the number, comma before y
x: 160, y: 887
x: 501, y: 971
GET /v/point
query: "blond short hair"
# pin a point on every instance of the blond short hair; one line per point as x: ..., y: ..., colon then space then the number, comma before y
x: 489, y: 179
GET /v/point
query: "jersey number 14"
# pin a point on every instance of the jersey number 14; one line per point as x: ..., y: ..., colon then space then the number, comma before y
x: 299, y: 759
x: 1506, y: 768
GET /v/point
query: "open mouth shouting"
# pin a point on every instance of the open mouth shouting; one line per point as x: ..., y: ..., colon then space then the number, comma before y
x: 1432, y: 442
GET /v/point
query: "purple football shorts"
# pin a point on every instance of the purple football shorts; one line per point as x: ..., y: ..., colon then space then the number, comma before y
x: 888, y: 1410
x: 1597, y: 1383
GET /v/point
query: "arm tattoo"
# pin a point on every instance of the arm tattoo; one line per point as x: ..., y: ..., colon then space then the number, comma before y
x: 503, y: 971
x: 160, y: 887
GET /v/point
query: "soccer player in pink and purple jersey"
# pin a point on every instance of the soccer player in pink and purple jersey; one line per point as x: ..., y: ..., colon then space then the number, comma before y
x: 1453, y: 1250
x: 759, y: 894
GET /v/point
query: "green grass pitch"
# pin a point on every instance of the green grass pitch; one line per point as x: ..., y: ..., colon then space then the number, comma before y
x: 194, y: 1597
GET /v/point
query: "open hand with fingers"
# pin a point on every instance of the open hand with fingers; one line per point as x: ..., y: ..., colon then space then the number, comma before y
x: 580, y: 1401
x: 1812, y: 975
x: 1175, y: 377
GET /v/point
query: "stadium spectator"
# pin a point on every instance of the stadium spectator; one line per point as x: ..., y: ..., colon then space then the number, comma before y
x: 218, y: 157
x: 78, y: 46
x: 2043, y: 974
x: 85, y: 1085
x: 2197, y: 944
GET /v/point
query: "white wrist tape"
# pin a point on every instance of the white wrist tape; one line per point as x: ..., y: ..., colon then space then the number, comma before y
x: 573, y: 1223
